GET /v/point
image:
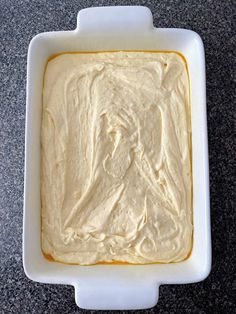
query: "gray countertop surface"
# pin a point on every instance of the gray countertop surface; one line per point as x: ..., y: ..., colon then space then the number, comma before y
x: 19, y: 22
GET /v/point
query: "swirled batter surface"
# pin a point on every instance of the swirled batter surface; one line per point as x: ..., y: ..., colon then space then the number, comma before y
x: 115, y: 163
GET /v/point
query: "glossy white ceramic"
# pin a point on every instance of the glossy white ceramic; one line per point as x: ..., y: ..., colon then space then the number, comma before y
x: 117, y: 286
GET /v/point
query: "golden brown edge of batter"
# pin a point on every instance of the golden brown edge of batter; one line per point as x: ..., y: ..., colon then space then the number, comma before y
x: 48, y: 257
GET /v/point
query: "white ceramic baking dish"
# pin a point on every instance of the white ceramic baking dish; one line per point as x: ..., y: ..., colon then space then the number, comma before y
x: 117, y: 286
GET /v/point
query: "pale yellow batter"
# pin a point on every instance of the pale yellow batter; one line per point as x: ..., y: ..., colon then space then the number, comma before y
x: 116, y: 167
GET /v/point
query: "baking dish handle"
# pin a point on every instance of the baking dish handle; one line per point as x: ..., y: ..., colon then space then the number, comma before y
x: 113, y: 296
x: 114, y: 19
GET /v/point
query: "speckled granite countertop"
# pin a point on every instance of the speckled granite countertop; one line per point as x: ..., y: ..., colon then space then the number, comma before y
x: 19, y: 22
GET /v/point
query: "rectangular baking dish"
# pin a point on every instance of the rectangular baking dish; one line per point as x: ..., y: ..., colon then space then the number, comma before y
x: 117, y: 286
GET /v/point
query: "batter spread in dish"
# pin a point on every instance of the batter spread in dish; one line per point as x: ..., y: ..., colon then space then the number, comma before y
x: 115, y: 163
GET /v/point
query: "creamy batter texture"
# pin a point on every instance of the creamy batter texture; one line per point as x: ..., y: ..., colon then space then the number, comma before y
x: 115, y: 163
